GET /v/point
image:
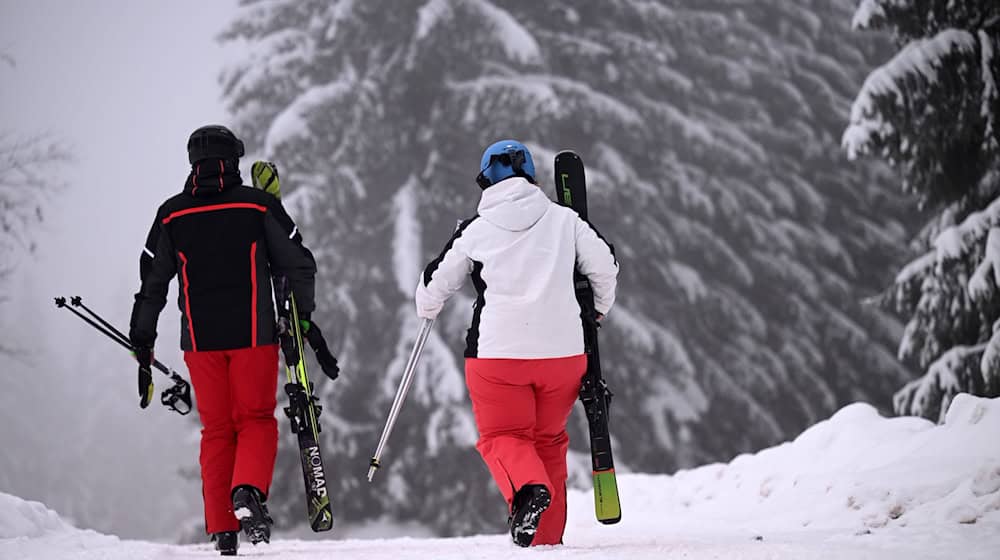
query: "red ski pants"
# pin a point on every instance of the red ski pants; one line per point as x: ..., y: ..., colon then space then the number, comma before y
x: 235, y: 391
x: 521, y: 408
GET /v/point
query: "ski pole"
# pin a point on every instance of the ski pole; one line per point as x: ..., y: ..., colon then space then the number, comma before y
x: 397, y: 402
x: 77, y: 301
x: 181, y: 390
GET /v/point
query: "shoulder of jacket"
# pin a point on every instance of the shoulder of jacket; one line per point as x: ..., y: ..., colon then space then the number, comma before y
x: 563, y: 211
x: 249, y: 194
x: 465, y: 225
x: 177, y: 202
x: 467, y: 222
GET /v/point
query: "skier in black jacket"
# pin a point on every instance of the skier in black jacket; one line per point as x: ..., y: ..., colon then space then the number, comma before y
x: 224, y: 241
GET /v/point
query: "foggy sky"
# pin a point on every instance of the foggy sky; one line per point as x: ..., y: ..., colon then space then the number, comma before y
x: 122, y: 84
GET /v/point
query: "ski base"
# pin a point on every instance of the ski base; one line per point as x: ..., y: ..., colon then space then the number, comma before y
x: 320, y: 513
x: 606, y: 505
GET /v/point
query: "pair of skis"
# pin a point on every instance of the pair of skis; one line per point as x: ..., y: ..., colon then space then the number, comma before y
x: 571, y: 191
x: 303, y: 410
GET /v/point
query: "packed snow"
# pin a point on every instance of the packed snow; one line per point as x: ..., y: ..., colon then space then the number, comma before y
x: 855, y: 486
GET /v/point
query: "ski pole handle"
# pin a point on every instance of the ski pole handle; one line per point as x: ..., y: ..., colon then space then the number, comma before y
x: 397, y: 402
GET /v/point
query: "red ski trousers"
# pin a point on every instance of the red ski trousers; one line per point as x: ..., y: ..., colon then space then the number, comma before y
x: 236, y: 395
x: 521, y: 408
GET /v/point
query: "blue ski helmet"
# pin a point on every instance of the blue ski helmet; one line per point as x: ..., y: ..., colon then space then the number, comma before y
x: 504, y: 159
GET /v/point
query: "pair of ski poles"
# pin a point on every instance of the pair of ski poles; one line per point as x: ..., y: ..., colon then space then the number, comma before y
x: 176, y: 398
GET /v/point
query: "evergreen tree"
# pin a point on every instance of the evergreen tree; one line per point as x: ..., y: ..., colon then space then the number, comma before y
x: 709, y: 132
x: 932, y: 112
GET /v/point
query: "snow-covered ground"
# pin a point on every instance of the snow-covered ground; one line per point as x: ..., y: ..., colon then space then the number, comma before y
x: 855, y: 486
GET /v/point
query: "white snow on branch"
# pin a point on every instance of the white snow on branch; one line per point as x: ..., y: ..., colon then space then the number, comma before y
x: 293, y: 121
x: 989, y: 83
x: 916, y: 267
x: 430, y: 14
x: 867, y: 10
x: 517, y: 42
x: 548, y: 95
x: 989, y: 365
x: 688, y: 280
x: 270, y: 56
x: 983, y: 280
x: 406, y: 247
x: 954, y: 241
x: 942, y: 378
x: 535, y: 96
x: 921, y: 57
x: 594, y: 99
x: 691, y: 128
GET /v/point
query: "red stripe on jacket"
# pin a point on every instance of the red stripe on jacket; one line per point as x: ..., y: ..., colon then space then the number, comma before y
x: 253, y: 294
x: 213, y: 208
x: 187, y: 299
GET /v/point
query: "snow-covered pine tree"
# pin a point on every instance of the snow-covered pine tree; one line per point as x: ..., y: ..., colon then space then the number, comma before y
x: 932, y: 112
x: 710, y: 133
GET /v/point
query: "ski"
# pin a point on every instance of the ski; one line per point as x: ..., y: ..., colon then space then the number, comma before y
x: 571, y: 191
x: 303, y: 410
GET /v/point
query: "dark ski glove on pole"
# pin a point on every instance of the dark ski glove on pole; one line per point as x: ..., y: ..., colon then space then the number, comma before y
x: 144, y: 356
x: 326, y: 359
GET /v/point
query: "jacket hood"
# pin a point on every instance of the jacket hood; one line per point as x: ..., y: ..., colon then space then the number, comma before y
x: 211, y: 176
x: 513, y: 204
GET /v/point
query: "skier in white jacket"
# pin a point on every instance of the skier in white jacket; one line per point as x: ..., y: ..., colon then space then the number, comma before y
x: 524, y: 351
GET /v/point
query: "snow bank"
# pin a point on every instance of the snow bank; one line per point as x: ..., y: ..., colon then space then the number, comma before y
x: 854, y: 473
x: 854, y: 486
x: 21, y: 518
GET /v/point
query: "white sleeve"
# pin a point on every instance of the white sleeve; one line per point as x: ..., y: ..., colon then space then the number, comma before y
x: 595, y: 258
x: 443, y: 276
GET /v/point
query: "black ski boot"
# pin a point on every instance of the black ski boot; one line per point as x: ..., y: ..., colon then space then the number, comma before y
x: 226, y: 542
x: 526, y: 511
x: 249, y: 508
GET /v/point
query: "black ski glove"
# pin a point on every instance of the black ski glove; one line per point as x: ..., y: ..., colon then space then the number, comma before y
x: 326, y: 359
x: 144, y: 355
x: 592, y: 317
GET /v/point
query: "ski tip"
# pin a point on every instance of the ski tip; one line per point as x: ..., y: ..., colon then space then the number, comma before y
x: 567, y: 154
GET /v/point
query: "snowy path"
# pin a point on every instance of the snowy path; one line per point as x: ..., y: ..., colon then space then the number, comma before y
x: 857, y: 486
x: 596, y: 543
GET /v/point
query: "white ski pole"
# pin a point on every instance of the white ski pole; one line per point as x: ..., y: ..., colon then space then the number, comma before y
x: 397, y: 403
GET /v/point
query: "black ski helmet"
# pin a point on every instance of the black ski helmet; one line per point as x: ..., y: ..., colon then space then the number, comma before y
x: 214, y: 142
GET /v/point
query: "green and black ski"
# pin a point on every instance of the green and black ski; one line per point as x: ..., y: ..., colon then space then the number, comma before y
x: 571, y: 191
x: 303, y: 410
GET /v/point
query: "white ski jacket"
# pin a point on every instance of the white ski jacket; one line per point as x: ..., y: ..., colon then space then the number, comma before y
x: 521, y: 249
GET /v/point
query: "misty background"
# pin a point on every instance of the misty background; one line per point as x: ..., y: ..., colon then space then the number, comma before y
x: 749, y: 243
x: 120, y: 85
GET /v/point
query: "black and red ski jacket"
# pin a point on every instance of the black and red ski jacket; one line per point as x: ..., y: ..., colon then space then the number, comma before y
x: 223, y: 241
